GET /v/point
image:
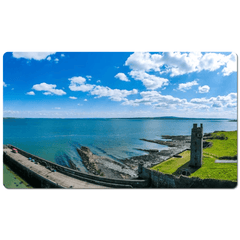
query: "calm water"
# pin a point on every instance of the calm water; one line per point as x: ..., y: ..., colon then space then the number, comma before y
x: 56, y: 139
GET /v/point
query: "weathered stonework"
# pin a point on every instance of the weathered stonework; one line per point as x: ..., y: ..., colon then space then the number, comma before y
x: 196, y: 146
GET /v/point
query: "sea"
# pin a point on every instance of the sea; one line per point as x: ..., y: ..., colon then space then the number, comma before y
x: 57, y: 139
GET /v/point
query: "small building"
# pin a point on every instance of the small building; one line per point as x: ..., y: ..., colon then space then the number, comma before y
x: 196, y: 146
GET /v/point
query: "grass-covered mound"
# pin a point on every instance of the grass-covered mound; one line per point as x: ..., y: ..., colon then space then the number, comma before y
x: 224, y: 145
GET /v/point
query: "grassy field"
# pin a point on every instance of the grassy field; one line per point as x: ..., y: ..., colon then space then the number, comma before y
x: 209, y: 169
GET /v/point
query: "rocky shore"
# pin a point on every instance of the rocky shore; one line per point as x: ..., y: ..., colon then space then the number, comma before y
x: 177, y: 144
x: 104, y: 166
x: 127, y: 168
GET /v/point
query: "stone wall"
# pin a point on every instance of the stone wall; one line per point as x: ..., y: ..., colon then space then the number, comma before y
x: 161, y: 180
x: 34, y: 179
x: 109, y: 182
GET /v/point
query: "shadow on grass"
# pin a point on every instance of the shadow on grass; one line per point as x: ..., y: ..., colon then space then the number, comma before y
x: 185, y: 166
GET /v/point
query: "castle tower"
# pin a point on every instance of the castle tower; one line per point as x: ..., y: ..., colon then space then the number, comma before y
x: 196, y: 146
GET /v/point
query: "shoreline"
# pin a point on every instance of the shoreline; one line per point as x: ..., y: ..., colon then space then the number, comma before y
x: 106, y: 165
x: 127, y: 168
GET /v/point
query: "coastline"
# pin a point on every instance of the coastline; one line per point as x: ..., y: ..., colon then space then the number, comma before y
x: 127, y: 168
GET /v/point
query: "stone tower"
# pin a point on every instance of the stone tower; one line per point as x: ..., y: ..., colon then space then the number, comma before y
x: 196, y: 146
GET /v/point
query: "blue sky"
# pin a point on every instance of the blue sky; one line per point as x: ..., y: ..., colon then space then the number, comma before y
x: 121, y: 84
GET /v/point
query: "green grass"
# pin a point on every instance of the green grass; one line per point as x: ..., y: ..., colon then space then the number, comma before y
x: 209, y: 169
x: 222, y: 148
x: 171, y: 165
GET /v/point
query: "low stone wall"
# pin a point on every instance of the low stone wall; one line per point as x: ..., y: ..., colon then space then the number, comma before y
x: 109, y: 182
x: 161, y: 180
x: 34, y: 179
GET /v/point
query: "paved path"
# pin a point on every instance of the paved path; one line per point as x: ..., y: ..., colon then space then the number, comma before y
x: 56, y: 177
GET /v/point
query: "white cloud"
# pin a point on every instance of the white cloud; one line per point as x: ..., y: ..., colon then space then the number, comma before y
x: 217, y: 102
x: 30, y: 93
x: 62, y: 55
x: 186, y: 86
x: 113, y: 94
x: 200, y: 100
x: 48, y: 93
x: 142, y: 61
x: 4, y: 84
x: 77, y: 80
x: 73, y: 97
x: 82, y: 88
x: 49, y: 58
x: 49, y: 89
x: 158, y: 101
x: 57, y: 108
x: 151, y: 82
x: 122, y: 77
x: 78, y: 84
x: 231, y: 65
x: 85, y: 100
x: 32, y: 55
x: 10, y: 112
x: 231, y: 105
x: 56, y: 60
x: 204, y: 89
x: 182, y: 63
x: 217, y: 105
x: 89, y: 77
x: 98, y: 81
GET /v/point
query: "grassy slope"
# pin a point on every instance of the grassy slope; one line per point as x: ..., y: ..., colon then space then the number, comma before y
x: 209, y: 169
x: 171, y: 165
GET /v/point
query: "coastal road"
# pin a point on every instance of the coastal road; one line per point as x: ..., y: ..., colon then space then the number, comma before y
x: 56, y: 177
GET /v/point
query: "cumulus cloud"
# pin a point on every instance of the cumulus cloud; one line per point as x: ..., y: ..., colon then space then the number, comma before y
x: 113, y: 94
x: 49, y: 89
x: 122, y: 77
x: 73, y: 97
x: 56, y: 60
x: 98, y: 81
x: 79, y: 84
x: 4, y: 84
x: 57, y: 108
x: 77, y: 80
x: 32, y: 55
x: 85, y: 100
x: 204, y: 89
x: 89, y: 77
x: 151, y: 82
x: 143, y: 61
x: 229, y: 100
x: 30, y: 93
x: 49, y: 58
x: 62, y: 55
x: 186, y: 86
x: 156, y: 99
x: 159, y: 101
x: 231, y: 105
x: 217, y: 105
x: 182, y: 63
x: 231, y: 65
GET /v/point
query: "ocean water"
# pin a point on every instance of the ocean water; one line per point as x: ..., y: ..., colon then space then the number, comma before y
x: 56, y: 139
